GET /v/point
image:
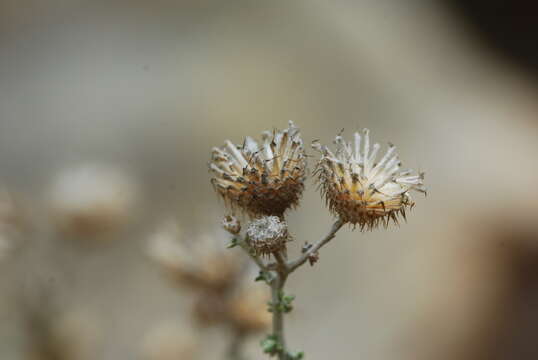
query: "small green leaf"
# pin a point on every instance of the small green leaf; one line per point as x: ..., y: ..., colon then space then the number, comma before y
x: 285, y: 302
x: 270, y: 345
x: 263, y: 276
x: 233, y: 243
x: 296, y: 355
x: 288, y: 298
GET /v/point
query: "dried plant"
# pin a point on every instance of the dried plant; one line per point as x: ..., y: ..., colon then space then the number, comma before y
x: 90, y: 202
x: 360, y: 190
x: 86, y: 203
x: 14, y: 224
x: 54, y: 332
x: 264, y: 181
x: 216, y: 279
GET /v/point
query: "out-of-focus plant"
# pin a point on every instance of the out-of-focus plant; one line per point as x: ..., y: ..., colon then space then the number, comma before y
x: 51, y: 331
x: 14, y: 224
x: 168, y: 341
x: 91, y: 201
x: 88, y: 202
x: 217, y: 280
x: 265, y: 180
x: 58, y: 334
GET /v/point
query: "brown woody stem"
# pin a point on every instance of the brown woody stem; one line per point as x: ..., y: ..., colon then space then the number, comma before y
x: 293, y: 265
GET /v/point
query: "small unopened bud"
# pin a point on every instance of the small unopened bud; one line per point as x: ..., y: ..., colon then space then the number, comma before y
x: 306, y: 247
x: 313, y: 258
x: 231, y: 224
x: 267, y: 235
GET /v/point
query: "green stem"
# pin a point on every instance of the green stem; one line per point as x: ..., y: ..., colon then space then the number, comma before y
x: 277, y: 287
x: 278, y: 274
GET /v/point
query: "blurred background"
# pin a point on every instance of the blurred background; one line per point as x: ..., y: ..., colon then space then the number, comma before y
x: 108, y: 112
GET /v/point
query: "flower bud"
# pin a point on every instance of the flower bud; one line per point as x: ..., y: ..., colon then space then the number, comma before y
x: 231, y: 224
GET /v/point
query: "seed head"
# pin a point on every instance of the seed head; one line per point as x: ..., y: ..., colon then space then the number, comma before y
x: 261, y: 179
x: 267, y: 235
x: 359, y: 189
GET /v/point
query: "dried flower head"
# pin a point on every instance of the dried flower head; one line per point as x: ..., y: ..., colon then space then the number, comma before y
x: 359, y: 189
x: 248, y: 308
x: 203, y: 263
x: 265, y: 179
x: 267, y: 235
x: 231, y: 224
x: 90, y: 201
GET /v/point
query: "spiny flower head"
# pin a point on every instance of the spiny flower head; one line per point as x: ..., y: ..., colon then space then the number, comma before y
x: 360, y: 189
x: 267, y: 235
x: 261, y: 179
